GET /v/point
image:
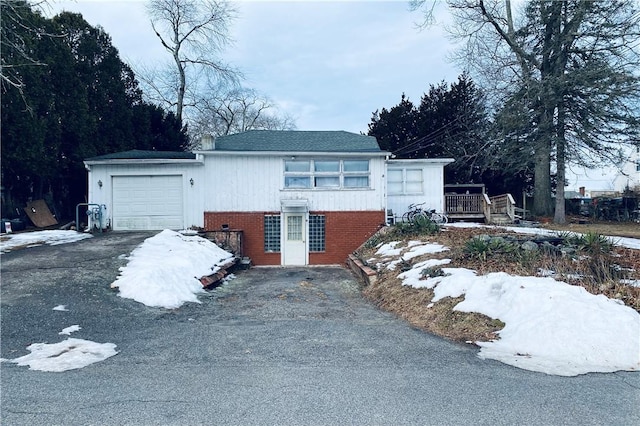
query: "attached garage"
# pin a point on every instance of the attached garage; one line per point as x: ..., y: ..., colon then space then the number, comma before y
x: 147, y: 202
x: 147, y: 190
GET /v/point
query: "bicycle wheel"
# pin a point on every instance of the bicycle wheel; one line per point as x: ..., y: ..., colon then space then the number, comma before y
x: 438, y: 218
x: 406, y: 218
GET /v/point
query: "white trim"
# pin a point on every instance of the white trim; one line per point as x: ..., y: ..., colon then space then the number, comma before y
x: 121, y: 161
x: 443, y: 161
x: 294, y: 205
x: 297, y: 154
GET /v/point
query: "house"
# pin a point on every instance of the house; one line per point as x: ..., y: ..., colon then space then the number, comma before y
x: 297, y: 197
x: 419, y: 181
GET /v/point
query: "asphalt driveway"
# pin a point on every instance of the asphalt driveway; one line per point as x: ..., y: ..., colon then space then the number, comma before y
x: 274, y: 346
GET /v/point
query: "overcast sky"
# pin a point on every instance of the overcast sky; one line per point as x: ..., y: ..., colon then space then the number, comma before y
x: 329, y: 64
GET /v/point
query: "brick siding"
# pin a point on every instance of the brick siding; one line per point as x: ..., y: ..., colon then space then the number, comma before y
x: 344, y: 232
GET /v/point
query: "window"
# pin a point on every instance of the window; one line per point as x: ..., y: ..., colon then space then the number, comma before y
x: 294, y: 228
x: 326, y: 174
x: 404, y: 181
x: 316, y: 232
x: 272, y: 233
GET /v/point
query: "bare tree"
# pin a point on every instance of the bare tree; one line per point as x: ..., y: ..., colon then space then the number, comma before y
x: 239, y: 110
x: 194, y: 32
x: 571, y: 66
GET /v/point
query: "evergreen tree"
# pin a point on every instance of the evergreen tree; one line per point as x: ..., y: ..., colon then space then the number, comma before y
x: 396, y: 127
x: 80, y: 101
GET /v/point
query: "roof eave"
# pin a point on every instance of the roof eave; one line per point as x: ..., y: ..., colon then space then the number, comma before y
x: 125, y: 161
x: 298, y: 153
x: 444, y: 161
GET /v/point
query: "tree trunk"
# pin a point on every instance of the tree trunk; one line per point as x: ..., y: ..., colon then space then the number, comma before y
x: 542, y: 184
x: 560, y: 214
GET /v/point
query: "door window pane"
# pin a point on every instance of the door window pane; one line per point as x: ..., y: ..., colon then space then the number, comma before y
x: 294, y: 228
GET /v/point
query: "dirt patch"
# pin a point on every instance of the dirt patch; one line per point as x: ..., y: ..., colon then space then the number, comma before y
x: 416, y: 307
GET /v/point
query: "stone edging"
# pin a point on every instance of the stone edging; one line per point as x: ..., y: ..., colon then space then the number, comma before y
x: 364, y: 274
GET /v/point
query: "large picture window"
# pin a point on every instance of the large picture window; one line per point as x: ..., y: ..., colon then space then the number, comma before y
x: 404, y: 181
x: 326, y: 174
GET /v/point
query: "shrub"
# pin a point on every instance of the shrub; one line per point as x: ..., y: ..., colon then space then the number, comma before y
x: 420, y: 225
x: 483, y: 247
x: 593, y: 243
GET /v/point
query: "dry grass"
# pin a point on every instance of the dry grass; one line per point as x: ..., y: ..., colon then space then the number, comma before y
x: 618, y: 229
x: 414, y: 305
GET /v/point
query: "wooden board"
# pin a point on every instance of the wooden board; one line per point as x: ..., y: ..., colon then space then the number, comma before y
x: 40, y: 214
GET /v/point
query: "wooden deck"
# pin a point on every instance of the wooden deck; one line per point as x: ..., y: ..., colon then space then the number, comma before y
x: 479, y: 207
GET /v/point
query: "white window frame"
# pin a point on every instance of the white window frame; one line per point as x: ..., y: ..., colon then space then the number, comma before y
x: 320, y: 177
x: 406, y: 181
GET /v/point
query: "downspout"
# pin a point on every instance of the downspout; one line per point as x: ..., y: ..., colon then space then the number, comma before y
x: 384, y: 190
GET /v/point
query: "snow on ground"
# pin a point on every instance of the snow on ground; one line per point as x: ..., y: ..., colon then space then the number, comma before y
x: 38, y: 238
x: 164, y: 271
x: 550, y: 326
x: 70, y: 354
x: 70, y: 329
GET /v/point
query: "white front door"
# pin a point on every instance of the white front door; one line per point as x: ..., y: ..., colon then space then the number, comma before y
x: 295, y: 239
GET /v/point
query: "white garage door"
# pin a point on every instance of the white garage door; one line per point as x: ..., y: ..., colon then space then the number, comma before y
x: 147, y: 203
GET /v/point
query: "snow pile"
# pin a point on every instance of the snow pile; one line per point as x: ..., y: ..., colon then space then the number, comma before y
x: 31, y: 239
x: 164, y: 271
x: 550, y: 326
x: 416, y: 248
x: 69, y: 354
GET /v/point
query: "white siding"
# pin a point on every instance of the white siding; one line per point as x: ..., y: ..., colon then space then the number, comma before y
x: 433, y: 184
x: 192, y: 201
x: 255, y: 183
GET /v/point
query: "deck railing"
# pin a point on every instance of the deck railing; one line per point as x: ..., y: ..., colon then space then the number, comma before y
x: 503, y: 204
x: 479, y: 204
x: 463, y: 203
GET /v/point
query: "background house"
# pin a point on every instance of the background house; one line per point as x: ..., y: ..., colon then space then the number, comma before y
x: 297, y: 197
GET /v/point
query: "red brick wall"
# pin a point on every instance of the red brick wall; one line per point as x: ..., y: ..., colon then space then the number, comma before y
x: 252, y: 225
x: 344, y: 232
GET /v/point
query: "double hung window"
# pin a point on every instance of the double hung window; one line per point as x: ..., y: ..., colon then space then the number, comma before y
x: 405, y: 181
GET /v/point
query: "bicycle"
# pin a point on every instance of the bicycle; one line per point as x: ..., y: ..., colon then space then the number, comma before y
x: 415, y: 211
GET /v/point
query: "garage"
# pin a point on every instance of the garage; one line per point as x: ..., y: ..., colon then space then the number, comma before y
x: 153, y: 202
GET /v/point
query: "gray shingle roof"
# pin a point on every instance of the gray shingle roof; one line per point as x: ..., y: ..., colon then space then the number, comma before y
x: 137, y: 154
x: 297, y: 141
